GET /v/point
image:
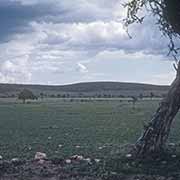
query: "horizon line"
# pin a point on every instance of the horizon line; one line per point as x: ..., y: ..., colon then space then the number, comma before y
x: 83, y: 82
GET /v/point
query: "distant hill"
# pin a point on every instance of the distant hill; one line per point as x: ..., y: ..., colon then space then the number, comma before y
x: 87, y: 89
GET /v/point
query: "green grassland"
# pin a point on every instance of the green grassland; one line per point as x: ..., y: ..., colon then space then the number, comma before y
x: 61, y: 127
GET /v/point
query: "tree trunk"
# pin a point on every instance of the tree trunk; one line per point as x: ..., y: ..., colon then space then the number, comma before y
x: 157, y: 131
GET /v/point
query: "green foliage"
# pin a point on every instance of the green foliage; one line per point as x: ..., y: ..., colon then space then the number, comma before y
x: 166, y: 13
x: 152, y: 95
x: 140, y: 96
x: 26, y: 94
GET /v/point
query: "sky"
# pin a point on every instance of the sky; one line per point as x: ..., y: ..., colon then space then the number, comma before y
x: 68, y: 41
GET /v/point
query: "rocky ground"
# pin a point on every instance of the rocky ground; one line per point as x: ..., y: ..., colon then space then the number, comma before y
x: 46, y: 169
x: 76, y: 170
x: 60, y: 170
x: 118, y: 166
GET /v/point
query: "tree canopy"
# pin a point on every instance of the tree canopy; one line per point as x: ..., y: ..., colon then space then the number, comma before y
x: 26, y: 94
x: 167, y: 13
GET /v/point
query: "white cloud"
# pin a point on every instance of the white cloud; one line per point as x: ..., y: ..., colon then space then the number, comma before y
x: 82, y: 34
x: 16, y: 70
x: 164, y: 78
x: 52, y: 52
x: 78, y: 38
x: 82, y: 68
x: 99, y: 35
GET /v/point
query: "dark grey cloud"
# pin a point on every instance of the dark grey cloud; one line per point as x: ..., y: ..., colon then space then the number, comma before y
x: 14, y: 17
x: 16, y: 14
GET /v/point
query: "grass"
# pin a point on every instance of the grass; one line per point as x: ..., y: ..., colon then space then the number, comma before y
x: 93, y: 128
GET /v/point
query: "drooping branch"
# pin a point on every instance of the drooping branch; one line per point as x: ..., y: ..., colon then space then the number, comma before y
x: 167, y: 16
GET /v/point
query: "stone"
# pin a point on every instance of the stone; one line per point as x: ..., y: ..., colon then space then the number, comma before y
x: 49, y: 138
x: 14, y: 159
x: 97, y: 160
x: 77, y: 157
x: 68, y: 161
x: 171, y: 144
x: 60, y: 145
x: 128, y: 155
x: 40, y: 156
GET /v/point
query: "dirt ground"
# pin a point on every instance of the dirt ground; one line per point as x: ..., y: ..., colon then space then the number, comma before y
x: 59, y: 169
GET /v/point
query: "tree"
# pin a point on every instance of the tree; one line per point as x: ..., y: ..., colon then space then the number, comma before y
x: 141, y: 96
x: 134, y: 100
x: 152, y: 95
x: 26, y: 94
x: 155, y: 134
x: 41, y: 95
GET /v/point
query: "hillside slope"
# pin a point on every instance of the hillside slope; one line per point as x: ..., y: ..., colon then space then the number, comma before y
x: 88, y: 88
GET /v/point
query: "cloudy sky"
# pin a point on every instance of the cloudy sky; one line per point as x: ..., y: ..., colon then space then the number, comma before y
x: 68, y: 41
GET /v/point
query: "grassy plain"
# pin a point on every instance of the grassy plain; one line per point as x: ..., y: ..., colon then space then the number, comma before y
x: 62, y: 128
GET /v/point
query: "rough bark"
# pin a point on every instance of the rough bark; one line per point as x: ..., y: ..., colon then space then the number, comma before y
x: 157, y: 131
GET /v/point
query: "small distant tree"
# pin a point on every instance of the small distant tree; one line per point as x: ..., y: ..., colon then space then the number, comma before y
x: 151, y: 95
x: 99, y: 95
x: 63, y: 96
x: 42, y: 95
x: 141, y: 96
x: 80, y: 95
x: 59, y: 96
x: 26, y: 94
x: 52, y: 95
x: 134, y: 100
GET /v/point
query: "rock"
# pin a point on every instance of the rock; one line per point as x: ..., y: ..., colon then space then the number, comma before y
x: 49, y: 138
x: 60, y: 145
x: 68, y: 161
x: 128, y: 155
x: 77, y: 157
x: 29, y: 148
x: 164, y: 162
x: 14, y: 160
x: 40, y: 156
x: 97, y: 160
x: 113, y: 173
x: 54, y: 127
x: 171, y: 144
